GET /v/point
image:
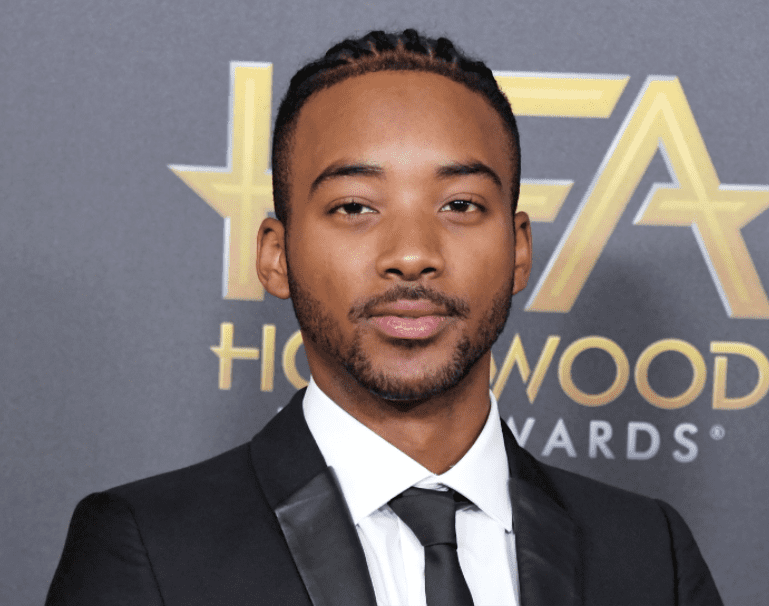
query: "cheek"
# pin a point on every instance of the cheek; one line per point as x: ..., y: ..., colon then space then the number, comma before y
x: 485, y: 263
x: 350, y: 259
x: 333, y: 269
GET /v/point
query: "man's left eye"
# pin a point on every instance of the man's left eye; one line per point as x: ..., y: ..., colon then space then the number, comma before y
x: 461, y: 206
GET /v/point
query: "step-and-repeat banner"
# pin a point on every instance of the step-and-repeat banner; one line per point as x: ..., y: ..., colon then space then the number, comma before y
x: 135, y: 173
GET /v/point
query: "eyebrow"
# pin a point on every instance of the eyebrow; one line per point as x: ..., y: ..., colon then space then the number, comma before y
x: 446, y: 171
x: 342, y: 169
x: 456, y: 169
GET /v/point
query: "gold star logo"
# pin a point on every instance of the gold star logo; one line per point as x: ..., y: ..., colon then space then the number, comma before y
x: 241, y: 192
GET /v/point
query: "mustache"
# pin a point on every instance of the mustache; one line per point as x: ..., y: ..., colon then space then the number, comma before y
x: 454, y: 306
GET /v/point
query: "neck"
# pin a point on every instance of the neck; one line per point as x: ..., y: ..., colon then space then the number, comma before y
x: 436, y: 432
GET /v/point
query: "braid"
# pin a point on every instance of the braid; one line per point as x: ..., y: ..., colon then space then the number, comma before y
x: 374, y: 52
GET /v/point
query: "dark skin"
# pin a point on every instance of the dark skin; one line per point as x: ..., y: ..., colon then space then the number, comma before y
x: 400, y: 180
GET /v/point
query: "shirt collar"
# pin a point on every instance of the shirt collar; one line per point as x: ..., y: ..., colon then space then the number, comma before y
x: 371, y: 471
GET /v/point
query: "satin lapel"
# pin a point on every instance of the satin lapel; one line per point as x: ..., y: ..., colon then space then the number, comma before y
x: 311, y: 511
x: 325, y: 545
x: 546, y: 539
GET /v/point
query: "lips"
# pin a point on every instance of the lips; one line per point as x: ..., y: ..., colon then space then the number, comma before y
x: 409, y: 328
x: 406, y: 319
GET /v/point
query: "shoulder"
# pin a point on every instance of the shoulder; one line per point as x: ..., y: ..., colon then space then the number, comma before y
x: 203, y: 503
x: 610, y: 515
x: 626, y: 537
x: 219, y: 494
x: 216, y: 480
x: 597, y: 503
x: 609, y: 520
x: 577, y: 492
x: 204, y: 530
x: 585, y: 500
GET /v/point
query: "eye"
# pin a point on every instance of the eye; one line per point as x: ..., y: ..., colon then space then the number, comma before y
x: 462, y: 206
x: 352, y: 208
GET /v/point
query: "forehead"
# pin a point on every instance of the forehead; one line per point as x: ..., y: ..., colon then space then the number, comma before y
x: 398, y: 116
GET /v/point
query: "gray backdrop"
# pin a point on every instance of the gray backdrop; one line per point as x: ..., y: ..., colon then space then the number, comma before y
x: 111, y: 266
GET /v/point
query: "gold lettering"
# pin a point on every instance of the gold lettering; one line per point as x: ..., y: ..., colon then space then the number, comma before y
x: 545, y: 358
x: 620, y: 379
x: 227, y: 353
x: 289, y: 361
x: 698, y: 379
x: 661, y: 119
x: 517, y: 355
x: 755, y: 355
x: 268, y: 357
x: 564, y: 95
x: 542, y: 198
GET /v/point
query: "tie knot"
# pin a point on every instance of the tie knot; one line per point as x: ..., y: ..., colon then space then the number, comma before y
x: 429, y: 513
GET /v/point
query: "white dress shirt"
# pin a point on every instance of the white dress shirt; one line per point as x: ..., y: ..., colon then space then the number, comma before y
x: 371, y: 471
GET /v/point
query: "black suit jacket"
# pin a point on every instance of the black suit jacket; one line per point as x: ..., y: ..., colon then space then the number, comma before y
x: 266, y: 524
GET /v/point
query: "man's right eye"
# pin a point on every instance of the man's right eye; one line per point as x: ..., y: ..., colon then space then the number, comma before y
x: 352, y: 208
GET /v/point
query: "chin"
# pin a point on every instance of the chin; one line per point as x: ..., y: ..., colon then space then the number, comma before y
x: 395, y: 385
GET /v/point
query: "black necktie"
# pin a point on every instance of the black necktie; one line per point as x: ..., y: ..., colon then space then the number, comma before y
x: 431, y: 516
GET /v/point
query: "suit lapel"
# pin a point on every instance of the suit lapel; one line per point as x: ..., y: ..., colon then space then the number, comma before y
x: 311, y: 511
x: 546, y: 539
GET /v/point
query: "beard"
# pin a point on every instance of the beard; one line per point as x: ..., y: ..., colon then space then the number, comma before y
x: 324, y: 331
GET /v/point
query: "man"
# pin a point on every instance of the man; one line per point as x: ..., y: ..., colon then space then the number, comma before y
x: 391, y: 479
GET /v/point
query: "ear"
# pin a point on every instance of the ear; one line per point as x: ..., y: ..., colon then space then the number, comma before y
x: 271, y: 266
x: 522, y: 226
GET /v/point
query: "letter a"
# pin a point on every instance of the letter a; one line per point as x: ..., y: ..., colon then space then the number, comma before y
x: 661, y: 119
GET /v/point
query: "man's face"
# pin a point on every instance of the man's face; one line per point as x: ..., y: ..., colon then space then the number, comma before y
x: 401, y: 245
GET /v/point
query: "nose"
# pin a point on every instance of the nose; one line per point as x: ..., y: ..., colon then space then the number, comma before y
x: 411, y: 249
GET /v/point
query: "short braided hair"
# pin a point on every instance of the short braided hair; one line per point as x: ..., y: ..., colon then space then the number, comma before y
x: 374, y: 52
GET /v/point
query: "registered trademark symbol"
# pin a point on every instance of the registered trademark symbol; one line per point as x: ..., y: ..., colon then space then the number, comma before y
x: 717, y: 432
